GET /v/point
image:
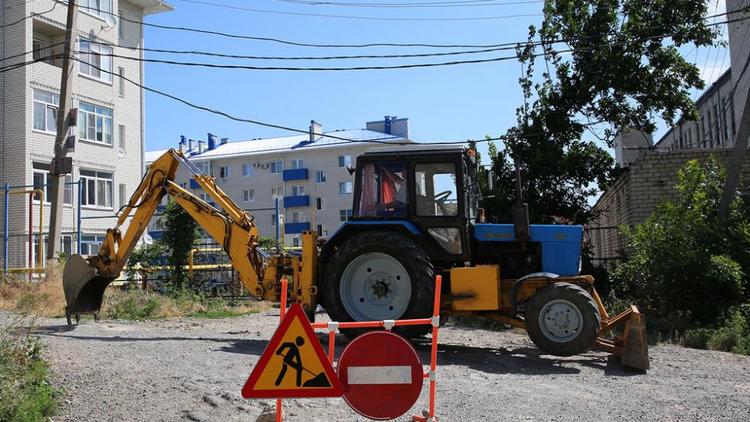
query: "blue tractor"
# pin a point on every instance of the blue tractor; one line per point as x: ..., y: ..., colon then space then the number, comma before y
x: 416, y: 214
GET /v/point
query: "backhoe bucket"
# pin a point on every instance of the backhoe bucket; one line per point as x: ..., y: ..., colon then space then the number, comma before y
x: 84, y: 290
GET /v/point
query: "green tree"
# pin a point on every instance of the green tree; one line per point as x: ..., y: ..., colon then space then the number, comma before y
x: 609, y: 64
x: 142, y: 261
x: 179, y: 237
x: 683, y: 267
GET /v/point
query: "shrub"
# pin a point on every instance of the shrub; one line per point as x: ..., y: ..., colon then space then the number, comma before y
x: 680, y: 266
x: 25, y: 391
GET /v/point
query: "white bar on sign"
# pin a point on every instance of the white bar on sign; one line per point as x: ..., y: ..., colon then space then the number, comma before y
x: 379, y: 374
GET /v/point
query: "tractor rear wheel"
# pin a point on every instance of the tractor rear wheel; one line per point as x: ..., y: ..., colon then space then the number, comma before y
x: 563, y: 319
x: 379, y: 276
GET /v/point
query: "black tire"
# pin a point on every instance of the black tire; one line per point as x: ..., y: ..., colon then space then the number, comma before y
x: 581, y: 337
x: 414, y: 260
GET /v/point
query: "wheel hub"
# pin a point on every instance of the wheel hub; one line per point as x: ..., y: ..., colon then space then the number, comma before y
x: 375, y: 286
x: 561, y: 320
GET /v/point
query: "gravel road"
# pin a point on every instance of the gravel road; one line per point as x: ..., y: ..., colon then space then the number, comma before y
x: 192, y: 369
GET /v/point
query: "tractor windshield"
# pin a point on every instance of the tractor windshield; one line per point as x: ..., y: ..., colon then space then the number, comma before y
x: 384, y: 190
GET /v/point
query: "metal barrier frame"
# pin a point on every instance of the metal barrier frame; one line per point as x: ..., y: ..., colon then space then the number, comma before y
x: 333, y: 327
x: 9, y: 190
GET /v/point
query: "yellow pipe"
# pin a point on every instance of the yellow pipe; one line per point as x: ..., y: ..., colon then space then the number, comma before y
x: 41, y: 223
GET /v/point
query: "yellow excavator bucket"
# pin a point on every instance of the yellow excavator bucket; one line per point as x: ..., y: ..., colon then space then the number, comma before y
x: 84, y: 289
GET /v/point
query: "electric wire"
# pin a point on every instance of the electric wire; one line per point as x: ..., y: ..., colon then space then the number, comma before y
x: 367, y: 18
x: 432, y: 4
x: 383, y: 67
x: 30, y: 16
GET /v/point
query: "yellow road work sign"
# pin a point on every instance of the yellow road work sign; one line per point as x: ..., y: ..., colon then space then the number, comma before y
x: 293, y: 364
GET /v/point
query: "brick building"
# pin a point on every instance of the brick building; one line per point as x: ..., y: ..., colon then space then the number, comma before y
x: 109, y: 153
x: 648, y: 181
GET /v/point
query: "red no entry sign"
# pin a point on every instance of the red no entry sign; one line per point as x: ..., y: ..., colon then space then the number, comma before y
x: 381, y: 374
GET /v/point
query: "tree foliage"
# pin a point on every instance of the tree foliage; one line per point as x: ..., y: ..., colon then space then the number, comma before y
x: 607, y: 65
x: 683, y: 267
x: 179, y: 237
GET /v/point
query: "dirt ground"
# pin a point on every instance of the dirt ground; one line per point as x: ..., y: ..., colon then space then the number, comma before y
x: 193, y: 369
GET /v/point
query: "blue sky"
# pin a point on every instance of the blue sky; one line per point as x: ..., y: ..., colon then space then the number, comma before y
x: 451, y: 103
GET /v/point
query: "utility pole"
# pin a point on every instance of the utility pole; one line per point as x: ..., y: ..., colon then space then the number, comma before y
x: 62, y: 165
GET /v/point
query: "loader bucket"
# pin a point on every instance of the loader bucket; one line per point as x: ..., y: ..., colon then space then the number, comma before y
x: 83, y: 289
x: 632, y: 345
x: 635, y: 346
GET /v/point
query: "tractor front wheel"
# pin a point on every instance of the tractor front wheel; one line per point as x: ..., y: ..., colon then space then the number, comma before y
x: 379, y: 276
x: 563, y: 319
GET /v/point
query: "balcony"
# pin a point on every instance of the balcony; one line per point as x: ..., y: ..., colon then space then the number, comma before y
x: 296, y: 201
x: 295, y: 174
x: 296, y: 228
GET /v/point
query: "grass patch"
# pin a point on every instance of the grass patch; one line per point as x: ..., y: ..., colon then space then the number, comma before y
x: 45, y: 297
x: 25, y: 390
x: 41, y: 297
x: 139, y: 305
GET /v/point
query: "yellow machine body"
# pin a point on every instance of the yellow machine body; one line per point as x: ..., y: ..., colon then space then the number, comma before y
x: 475, y: 288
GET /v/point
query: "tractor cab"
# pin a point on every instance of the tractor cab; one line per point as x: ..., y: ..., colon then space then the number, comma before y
x: 423, y: 191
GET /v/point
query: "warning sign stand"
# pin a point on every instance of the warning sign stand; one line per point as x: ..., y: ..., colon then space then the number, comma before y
x: 333, y: 327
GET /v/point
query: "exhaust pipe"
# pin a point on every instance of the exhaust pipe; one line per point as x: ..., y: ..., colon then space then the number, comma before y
x: 84, y: 289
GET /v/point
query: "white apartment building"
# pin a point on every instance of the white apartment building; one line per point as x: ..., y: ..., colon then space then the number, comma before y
x: 109, y: 152
x: 307, y: 174
x: 722, y: 105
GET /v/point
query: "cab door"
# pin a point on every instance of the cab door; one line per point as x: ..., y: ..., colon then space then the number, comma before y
x: 438, y: 208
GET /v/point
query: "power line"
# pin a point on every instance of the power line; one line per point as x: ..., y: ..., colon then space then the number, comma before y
x: 432, y: 4
x: 371, y: 18
x: 251, y: 57
x: 320, y: 45
x: 379, y: 67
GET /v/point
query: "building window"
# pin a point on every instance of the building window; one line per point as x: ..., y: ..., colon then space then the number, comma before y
x: 295, y: 242
x: 277, y: 167
x: 247, y: 170
x: 277, y: 192
x: 120, y: 26
x: 345, y: 215
x: 319, y: 203
x: 42, y: 180
x: 121, y: 133
x: 95, y: 60
x: 345, y: 188
x: 97, y: 188
x: 90, y: 244
x: 37, y: 46
x: 273, y: 219
x: 224, y: 172
x: 248, y: 195
x: 320, y: 229
x: 320, y: 176
x: 95, y: 123
x: 204, y: 166
x: 123, y: 194
x: 298, y: 164
x: 298, y: 190
x: 45, y: 111
x: 121, y: 81
x: 102, y: 8
x: 345, y: 161
x: 298, y: 217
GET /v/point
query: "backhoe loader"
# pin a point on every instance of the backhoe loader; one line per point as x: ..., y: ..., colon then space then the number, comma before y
x: 415, y: 214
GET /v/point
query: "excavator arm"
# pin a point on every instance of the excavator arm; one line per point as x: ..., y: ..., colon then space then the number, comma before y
x: 85, y: 279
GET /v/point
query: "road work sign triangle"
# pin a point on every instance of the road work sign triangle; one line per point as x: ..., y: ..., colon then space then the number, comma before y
x: 293, y: 364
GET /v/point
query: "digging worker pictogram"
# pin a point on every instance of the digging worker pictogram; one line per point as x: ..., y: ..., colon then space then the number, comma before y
x: 291, y: 358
